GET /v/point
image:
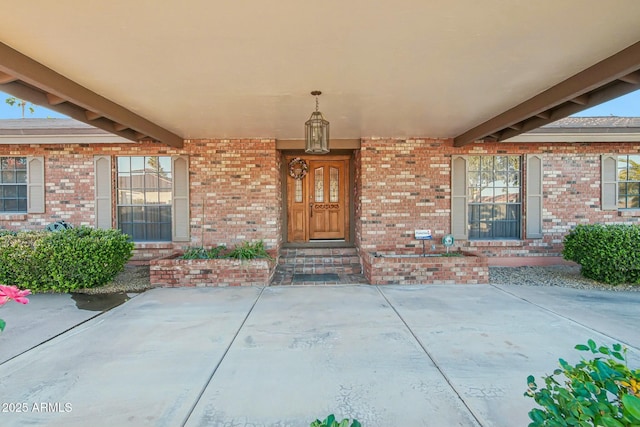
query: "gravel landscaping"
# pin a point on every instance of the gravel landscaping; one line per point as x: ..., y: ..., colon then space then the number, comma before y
x: 134, y: 278
x: 558, y: 275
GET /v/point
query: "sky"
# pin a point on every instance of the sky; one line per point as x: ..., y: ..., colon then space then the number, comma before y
x: 625, y: 106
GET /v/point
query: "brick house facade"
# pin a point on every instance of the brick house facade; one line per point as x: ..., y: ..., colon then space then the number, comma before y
x: 236, y: 190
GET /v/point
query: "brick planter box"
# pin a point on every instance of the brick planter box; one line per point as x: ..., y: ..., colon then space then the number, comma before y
x: 172, y: 271
x: 414, y: 269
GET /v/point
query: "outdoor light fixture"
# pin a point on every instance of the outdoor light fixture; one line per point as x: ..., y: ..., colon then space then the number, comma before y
x: 316, y: 131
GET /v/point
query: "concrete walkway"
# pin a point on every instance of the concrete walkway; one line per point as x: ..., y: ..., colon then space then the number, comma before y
x: 282, y: 356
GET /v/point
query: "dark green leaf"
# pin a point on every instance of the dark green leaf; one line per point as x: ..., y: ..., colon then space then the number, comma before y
x: 617, y: 355
x: 608, y: 421
x: 604, y: 372
x: 592, y: 388
x: 537, y: 415
x: 592, y: 345
x: 632, y: 407
x: 2, y: 325
x: 582, y: 347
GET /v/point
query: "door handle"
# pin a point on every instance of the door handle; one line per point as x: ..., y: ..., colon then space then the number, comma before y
x: 311, y: 209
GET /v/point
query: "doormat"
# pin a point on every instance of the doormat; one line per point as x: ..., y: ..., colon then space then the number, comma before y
x: 326, y: 277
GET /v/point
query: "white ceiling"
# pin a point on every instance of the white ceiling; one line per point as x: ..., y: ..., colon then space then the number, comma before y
x: 245, y: 68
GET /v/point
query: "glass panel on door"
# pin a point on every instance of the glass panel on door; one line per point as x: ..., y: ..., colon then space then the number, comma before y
x: 334, y: 185
x: 319, y: 185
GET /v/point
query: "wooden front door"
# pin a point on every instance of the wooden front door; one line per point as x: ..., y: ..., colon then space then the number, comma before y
x: 317, y: 204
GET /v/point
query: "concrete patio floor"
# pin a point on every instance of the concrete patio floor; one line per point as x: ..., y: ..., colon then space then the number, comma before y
x: 283, y: 356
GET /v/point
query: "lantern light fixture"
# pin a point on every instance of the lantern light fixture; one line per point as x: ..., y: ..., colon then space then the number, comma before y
x: 316, y: 131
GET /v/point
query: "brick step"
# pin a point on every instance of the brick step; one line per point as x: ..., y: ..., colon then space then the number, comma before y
x: 322, y: 269
x: 329, y: 260
x: 320, y: 261
x: 298, y: 252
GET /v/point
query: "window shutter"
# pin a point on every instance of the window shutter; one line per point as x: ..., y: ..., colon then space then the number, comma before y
x: 103, y: 205
x: 459, y: 208
x: 609, y: 183
x: 534, y: 197
x: 180, y: 216
x: 35, y: 184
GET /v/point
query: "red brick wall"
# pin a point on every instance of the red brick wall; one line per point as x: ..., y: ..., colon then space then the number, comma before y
x: 406, y: 185
x: 357, y: 198
x: 170, y: 271
x: 400, y: 185
x: 387, y: 270
x: 237, y: 182
x: 235, y: 192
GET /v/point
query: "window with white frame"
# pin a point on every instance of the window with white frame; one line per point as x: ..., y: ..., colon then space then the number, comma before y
x: 144, y: 197
x: 13, y: 184
x: 629, y: 181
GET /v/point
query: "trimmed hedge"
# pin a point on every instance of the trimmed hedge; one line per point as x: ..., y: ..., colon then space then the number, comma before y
x: 606, y: 253
x: 64, y: 260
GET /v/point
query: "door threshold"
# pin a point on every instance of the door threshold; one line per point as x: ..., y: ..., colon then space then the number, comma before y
x: 320, y: 244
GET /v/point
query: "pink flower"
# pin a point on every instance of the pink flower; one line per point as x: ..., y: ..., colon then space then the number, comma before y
x: 8, y: 293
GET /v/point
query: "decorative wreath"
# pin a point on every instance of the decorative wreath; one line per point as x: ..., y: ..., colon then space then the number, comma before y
x: 298, y: 168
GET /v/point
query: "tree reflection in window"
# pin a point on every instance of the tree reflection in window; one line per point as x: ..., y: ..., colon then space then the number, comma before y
x: 494, y: 197
x: 629, y: 182
x: 144, y: 197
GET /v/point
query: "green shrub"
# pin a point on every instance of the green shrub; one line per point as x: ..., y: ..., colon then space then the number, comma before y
x: 65, y: 260
x: 249, y: 251
x: 452, y: 254
x: 22, y: 261
x: 245, y: 251
x: 606, y: 253
x: 331, y: 421
x: 4, y: 232
x: 602, y: 391
x: 85, y: 257
x: 203, y: 253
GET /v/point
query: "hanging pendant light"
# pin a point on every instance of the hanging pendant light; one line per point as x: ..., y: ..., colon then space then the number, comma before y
x: 316, y: 131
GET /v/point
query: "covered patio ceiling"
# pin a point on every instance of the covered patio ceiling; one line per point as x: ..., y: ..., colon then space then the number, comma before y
x: 462, y: 69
